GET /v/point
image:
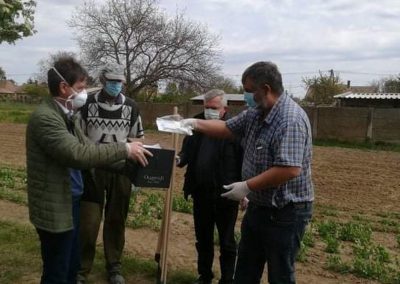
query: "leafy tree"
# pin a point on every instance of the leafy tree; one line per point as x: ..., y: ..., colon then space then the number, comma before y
x: 172, y: 89
x: 322, y: 88
x: 16, y: 19
x: 39, y: 90
x: 2, y: 74
x: 152, y: 46
x: 388, y: 85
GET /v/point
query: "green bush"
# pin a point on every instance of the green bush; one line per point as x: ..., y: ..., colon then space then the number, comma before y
x: 327, y: 229
x: 179, y: 204
x: 332, y: 244
x: 355, y: 231
x: 335, y: 263
x: 302, y: 254
x: 309, y: 238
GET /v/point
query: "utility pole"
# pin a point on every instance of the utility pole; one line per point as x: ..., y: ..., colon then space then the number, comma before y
x: 332, y: 74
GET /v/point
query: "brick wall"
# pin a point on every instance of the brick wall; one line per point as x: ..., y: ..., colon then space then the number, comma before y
x: 341, y: 123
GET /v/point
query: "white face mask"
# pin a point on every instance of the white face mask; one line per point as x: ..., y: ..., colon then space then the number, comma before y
x: 77, y: 100
x: 210, y: 113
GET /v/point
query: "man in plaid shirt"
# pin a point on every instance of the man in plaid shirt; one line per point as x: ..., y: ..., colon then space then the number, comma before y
x: 276, y: 173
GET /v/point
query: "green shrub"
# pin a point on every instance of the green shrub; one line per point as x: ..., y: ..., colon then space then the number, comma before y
x: 355, y: 231
x: 335, y: 263
x: 309, y: 238
x: 179, y: 204
x: 332, y: 244
x: 327, y: 229
x: 302, y: 254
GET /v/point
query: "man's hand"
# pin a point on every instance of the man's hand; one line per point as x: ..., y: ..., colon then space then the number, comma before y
x: 137, y: 152
x: 189, y: 123
x: 238, y: 190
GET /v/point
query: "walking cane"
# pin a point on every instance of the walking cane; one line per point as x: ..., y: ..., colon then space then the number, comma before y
x: 163, y: 238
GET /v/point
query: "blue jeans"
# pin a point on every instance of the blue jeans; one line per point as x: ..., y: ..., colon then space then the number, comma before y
x: 272, y: 236
x: 60, y: 252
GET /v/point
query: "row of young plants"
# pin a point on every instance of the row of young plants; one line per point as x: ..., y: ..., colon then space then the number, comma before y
x: 146, y: 206
x: 349, y: 247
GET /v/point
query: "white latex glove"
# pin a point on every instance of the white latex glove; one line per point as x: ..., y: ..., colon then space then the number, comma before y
x: 238, y: 190
x: 243, y: 204
x: 189, y: 122
x: 137, y: 152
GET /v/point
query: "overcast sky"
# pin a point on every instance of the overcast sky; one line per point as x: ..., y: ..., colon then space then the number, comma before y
x: 358, y: 39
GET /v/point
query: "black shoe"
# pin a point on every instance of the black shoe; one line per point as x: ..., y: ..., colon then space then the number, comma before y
x: 201, y: 280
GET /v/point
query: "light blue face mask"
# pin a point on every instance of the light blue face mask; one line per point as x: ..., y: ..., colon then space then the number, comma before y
x: 211, y: 113
x: 249, y: 99
x: 113, y: 88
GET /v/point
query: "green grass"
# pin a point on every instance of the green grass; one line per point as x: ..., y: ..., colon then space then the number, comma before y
x: 378, y: 145
x: 15, y: 112
x: 19, y: 252
x: 20, y: 259
x: 13, y: 185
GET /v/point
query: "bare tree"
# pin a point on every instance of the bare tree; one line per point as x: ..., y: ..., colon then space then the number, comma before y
x: 46, y: 63
x: 226, y: 84
x: 151, y: 45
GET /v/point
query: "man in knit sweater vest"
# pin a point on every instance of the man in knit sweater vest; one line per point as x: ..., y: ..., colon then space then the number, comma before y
x: 107, y: 117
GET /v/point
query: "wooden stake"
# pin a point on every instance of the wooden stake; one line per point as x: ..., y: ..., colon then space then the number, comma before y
x: 162, y: 245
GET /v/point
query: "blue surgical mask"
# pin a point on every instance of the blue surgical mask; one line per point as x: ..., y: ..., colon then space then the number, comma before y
x: 249, y: 99
x: 113, y: 88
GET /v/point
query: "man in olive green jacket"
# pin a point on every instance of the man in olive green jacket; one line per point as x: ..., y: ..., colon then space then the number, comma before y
x: 56, y: 151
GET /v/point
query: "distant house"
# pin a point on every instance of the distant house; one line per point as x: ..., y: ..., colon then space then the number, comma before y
x: 9, y: 91
x: 375, y: 100
x: 345, y: 87
x: 232, y: 100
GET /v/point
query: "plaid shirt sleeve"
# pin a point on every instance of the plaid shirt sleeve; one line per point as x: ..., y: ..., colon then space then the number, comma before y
x: 289, y: 144
x: 237, y: 124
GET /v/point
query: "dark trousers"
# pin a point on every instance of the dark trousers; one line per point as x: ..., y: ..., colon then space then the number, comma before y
x: 209, y: 212
x: 272, y: 236
x: 60, y: 252
x: 114, y: 190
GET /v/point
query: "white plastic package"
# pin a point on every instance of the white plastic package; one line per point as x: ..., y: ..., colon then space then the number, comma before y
x: 173, y: 124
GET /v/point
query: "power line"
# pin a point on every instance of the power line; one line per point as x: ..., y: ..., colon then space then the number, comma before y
x: 365, y: 73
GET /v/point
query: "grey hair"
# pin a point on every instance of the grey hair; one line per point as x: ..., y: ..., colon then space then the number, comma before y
x: 215, y: 93
x: 262, y: 73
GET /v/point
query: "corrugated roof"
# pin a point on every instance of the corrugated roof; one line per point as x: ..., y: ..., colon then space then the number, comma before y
x: 229, y: 97
x: 369, y: 96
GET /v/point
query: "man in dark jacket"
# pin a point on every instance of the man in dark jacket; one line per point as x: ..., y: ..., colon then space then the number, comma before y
x: 211, y: 163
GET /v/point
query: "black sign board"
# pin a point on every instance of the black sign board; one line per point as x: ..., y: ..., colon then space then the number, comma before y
x: 158, y: 172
